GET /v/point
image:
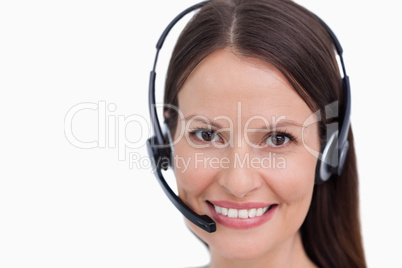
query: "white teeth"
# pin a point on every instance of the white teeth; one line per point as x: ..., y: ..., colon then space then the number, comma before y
x: 224, y: 211
x: 241, y: 213
x: 259, y: 211
x: 218, y: 209
x: 252, y: 212
x: 233, y: 213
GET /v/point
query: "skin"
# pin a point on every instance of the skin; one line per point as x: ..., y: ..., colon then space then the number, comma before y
x: 238, y: 96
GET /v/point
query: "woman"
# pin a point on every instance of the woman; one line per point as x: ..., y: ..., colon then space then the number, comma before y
x: 248, y: 91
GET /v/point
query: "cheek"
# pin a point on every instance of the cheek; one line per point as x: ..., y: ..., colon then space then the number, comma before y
x: 293, y: 186
x: 192, y: 177
x: 296, y: 180
x: 294, y: 183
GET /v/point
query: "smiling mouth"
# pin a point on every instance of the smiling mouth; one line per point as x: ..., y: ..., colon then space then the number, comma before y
x: 243, y: 213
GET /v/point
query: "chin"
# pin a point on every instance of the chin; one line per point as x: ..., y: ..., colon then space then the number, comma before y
x: 242, y: 253
x: 238, y: 245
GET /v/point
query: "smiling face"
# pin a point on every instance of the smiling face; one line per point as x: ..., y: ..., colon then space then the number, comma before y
x: 240, y: 155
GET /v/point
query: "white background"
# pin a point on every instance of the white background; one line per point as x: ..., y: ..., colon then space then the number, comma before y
x: 62, y: 206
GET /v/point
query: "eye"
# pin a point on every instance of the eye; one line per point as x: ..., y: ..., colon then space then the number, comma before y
x: 277, y: 139
x: 207, y: 135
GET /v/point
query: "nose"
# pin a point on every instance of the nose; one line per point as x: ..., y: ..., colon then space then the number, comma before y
x: 240, y: 177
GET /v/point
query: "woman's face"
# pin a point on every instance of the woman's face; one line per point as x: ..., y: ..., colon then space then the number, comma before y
x: 240, y: 154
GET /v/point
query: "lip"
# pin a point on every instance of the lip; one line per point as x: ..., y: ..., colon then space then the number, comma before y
x: 238, y: 223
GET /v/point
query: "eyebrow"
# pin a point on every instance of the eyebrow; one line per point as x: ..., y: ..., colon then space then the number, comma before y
x: 202, y: 119
x: 281, y: 123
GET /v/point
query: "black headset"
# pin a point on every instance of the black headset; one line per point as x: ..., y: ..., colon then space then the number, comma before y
x: 330, y: 162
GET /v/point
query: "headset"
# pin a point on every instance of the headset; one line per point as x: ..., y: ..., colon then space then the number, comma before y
x: 331, y: 160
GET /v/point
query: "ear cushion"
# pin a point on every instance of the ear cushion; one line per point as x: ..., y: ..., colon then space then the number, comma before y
x: 342, y: 157
x: 327, y: 164
x: 159, y: 154
x: 169, y: 152
x: 162, y: 154
x: 332, y: 160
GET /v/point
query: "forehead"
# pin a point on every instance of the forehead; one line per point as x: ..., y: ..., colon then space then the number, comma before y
x: 224, y: 82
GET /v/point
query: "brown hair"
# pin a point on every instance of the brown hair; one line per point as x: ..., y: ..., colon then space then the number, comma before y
x: 293, y: 40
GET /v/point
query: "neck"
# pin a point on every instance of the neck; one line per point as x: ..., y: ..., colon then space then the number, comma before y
x: 289, y: 254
